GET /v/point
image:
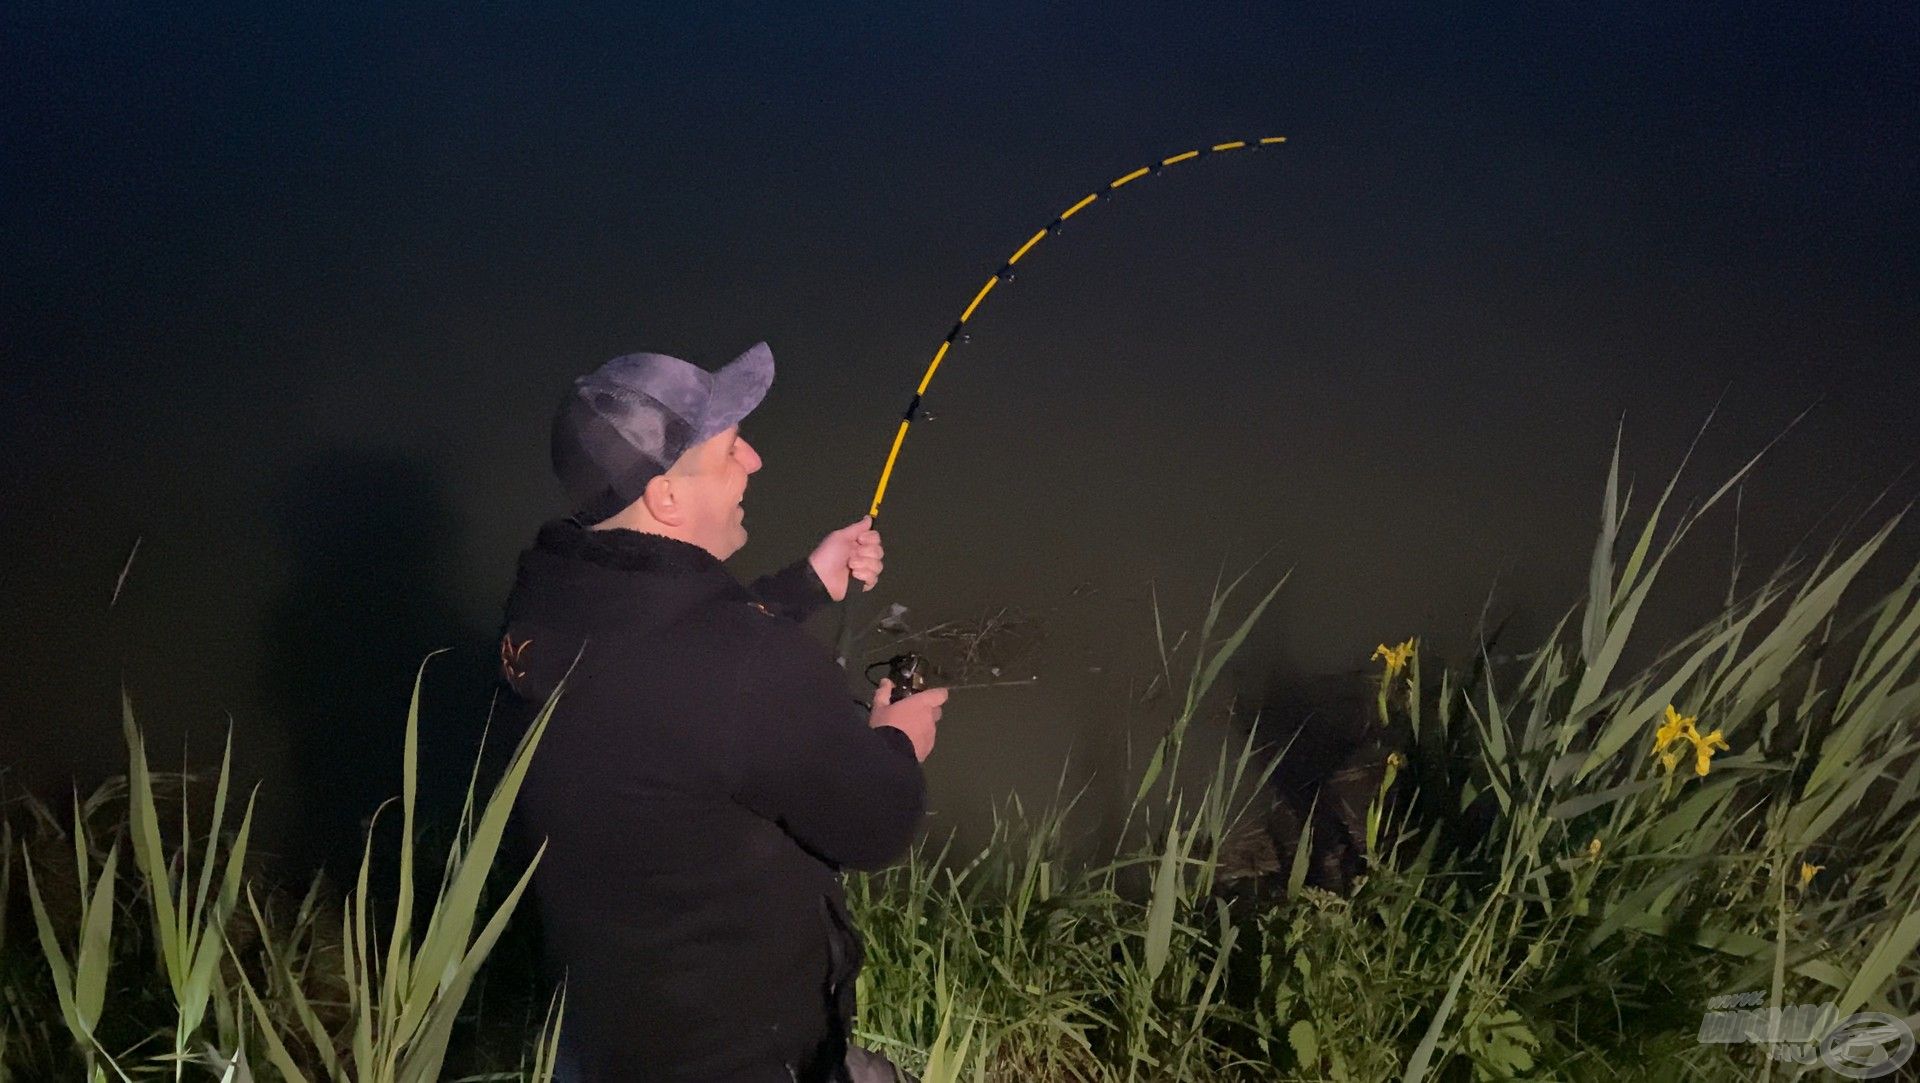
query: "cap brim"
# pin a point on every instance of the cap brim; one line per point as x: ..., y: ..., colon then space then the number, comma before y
x: 737, y: 389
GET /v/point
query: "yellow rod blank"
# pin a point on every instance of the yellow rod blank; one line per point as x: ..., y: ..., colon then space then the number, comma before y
x: 900, y: 436
x: 886, y: 471
x: 1031, y: 241
x: 978, y: 297
x: 928, y: 378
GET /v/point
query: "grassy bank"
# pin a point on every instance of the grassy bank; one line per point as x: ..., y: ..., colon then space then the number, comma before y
x: 1564, y: 864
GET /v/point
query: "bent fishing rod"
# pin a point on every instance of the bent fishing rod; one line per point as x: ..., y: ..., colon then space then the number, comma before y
x: 908, y: 665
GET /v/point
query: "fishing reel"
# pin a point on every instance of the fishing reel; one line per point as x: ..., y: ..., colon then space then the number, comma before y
x: 908, y: 672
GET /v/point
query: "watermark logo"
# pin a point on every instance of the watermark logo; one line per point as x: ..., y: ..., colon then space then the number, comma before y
x: 1865, y: 1045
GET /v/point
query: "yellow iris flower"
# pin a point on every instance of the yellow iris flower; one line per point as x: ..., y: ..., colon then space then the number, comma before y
x: 1677, y: 728
x: 1395, y: 657
x: 1703, y: 748
x: 1671, y: 730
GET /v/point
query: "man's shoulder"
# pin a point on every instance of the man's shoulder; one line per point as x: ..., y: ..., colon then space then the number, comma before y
x: 757, y: 638
x: 746, y: 621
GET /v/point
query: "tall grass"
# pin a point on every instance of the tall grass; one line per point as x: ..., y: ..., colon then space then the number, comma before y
x: 1564, y: 861
x: 376, y: 1003
x: 1599, y: 899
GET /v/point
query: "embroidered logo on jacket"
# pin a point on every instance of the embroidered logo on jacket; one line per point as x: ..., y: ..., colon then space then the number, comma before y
x: 513, y: 657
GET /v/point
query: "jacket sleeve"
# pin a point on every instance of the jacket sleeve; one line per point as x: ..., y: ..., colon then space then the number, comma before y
x: 806, y: 759
x: 794, y: 592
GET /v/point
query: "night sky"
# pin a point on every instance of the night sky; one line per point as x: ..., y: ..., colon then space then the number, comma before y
x: 291, y: 294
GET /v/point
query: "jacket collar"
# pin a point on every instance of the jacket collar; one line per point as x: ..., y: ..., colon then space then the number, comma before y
x: 627, y: 550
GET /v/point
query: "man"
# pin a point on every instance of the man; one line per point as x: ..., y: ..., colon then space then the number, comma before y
x: 704, y: 776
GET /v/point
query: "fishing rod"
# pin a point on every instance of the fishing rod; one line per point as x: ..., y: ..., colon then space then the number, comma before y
x: 954, y: 334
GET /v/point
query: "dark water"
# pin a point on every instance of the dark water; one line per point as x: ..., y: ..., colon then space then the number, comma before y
x: 290, y: 299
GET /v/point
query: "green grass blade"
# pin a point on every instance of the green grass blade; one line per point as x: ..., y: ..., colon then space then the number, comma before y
x: 57, y: 967
x: 96, y: 947
x: 1890, y: 953
x: 277, y: 1052
x: 197, y: 922
x: 451, y: 923
x: 1160, y: 909
x: 1593, y: 626
x: 362, y: 983
x: 424, y: 1059
x: 1233, y: 642
x: 149, y: 856
x: 546, y: 1046
x: 1593, y: 678
x: 296, y: 998
x: 1423, y: 1052
x: 399, y: 944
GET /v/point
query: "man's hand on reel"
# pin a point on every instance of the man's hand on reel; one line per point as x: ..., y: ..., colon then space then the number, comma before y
x: 917, y: 715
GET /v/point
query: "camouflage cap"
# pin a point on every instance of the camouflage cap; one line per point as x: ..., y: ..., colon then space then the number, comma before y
x: 629, y: 420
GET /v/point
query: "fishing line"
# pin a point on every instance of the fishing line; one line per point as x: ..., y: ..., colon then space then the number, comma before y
x: 955, y: 333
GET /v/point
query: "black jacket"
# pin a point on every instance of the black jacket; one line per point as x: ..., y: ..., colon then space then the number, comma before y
x: 703, y: 779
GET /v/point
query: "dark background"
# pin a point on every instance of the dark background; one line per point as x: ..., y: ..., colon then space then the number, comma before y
x: 290, y: 295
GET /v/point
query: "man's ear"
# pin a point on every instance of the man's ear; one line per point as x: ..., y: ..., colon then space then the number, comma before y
x: 660, y: 500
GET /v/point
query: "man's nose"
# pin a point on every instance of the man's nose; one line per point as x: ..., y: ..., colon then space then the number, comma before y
x: 751, y: 458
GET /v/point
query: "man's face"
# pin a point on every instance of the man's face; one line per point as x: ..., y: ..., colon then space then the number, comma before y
x: 710, y: 490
